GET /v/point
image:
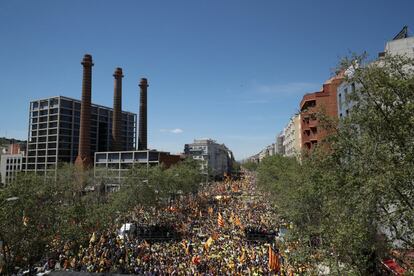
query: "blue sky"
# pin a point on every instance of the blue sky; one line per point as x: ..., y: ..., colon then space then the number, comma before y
x: 233, y: 71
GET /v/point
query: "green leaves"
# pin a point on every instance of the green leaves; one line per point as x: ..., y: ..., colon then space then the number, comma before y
x: 38, y: 214
x: 355, y: 194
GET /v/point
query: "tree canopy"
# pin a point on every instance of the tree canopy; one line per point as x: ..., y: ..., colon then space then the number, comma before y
x: 351, y: 201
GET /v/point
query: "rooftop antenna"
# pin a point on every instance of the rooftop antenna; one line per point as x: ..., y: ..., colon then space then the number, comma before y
x: 402, y: 34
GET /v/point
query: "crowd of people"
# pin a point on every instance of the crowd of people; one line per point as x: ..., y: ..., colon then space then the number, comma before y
x: 212, y: 228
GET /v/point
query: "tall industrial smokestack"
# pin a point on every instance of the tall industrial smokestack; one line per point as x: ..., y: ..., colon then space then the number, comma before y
x: 142, y: 133
x: 83, y: 160
x: 117, y: 114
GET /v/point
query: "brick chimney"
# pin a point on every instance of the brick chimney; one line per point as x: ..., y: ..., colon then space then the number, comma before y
x: 142, y: 132
x: 84, y: 159
x: 117, y: 114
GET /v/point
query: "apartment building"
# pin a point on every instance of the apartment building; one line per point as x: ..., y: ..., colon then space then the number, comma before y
x: 215, y: 158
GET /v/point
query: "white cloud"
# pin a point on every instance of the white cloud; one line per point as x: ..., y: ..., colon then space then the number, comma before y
x: 174, y: 130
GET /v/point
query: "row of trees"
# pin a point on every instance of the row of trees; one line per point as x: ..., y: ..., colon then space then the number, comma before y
x: 351, y: 200
x: 36, y: 214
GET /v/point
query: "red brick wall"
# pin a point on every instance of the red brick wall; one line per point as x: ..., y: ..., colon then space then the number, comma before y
x: 169, y: 159
x: 326, y: 101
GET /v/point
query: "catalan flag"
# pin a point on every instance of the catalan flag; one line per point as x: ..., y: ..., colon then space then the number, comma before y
x: 238, y: 222
x: 220, y: 220
x: 186, y: 246
x: 274, y: 263
x: 208, y: 243
x: 242, y: 258
x: 196, y: 260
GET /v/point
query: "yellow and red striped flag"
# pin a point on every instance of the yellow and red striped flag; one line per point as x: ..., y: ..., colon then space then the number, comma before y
x: 242, y: 258
x: 238, y: 222
x: 274, y: 263
x: 220, y: 220
x: 186, y: 246
x: 208, y: 243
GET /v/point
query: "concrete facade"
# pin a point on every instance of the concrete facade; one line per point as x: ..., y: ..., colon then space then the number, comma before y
x: 215, y: 158
x: 292, y: 140
x: 54, y: 125
x: 270, y: 150
x: 10, y: 165
x: 279, y: 147
x: 400, y: 46
x: 114, y: 166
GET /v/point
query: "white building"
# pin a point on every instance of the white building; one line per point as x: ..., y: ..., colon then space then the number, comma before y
x: 279, y: 147
x: 215, y: 158
x: 113, y: 166
x: 10, y: 165
x: 292, y: 139
x: 400, y: 45
x: 267, y: 151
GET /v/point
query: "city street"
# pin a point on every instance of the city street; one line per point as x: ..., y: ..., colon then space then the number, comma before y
x: 214, y: 226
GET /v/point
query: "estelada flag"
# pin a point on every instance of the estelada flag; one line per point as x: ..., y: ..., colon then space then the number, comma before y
x: 273, y: 260
x: 220, y: 220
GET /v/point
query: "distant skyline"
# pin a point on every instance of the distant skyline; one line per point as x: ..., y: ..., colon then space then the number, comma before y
x: 233, y: 71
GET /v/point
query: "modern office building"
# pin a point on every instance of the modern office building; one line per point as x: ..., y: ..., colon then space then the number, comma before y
x: 324, y: 101
x: 114, y: 166
x: 54, y: 132
x: 292, y: 140
x: 215, y: 158
x: 10, y: 165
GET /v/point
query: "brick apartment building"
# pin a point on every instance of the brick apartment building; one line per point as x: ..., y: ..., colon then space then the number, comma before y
x: 312, y: 103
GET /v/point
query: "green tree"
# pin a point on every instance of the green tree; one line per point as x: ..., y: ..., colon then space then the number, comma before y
x: 250, y: 165
x: 351, y: 200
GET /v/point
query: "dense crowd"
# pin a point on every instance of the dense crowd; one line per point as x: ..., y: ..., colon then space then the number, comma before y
x: 212, y: 229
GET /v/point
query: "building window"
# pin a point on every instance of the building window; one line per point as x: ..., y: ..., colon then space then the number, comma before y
x: 340, y: 99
